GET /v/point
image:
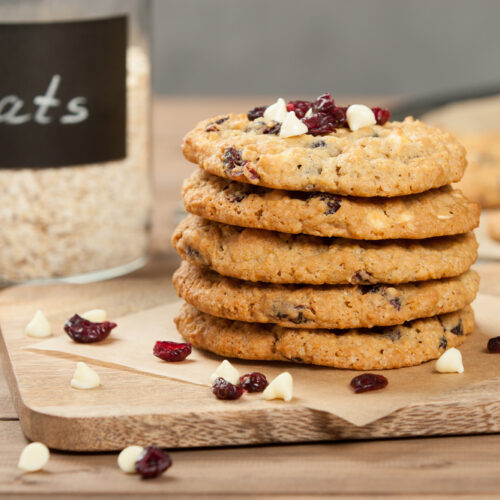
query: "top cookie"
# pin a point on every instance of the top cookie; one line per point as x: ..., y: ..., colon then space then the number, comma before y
x: 398, y: 158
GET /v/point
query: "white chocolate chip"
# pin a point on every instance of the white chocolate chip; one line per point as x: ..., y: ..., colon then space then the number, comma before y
x: 309, y: 113
x: 359, y: 116
x: 95, y: 315
x: 376, y: 221
x: 226, y: 371
x: 444, y: 216
x: 34, y: 457
x: 128, y: 457
x: 405, y: 217
x: 280, y: 388
x: 450, y: 362
x: 292, y: 126
x: 277, y: 111
x: 39, y: 326
x: 84, y: 377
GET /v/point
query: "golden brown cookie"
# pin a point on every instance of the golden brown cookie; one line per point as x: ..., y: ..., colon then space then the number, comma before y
x: 481, y: 182
x: 259, y: 255
x: 381, y: 348
x: 493, y: 224
x: 439, y: 212
x: 476, y: 125
x: 327, y: 306
x: 398, y: 158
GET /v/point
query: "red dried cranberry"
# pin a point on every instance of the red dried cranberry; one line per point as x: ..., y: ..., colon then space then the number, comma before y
x: 326, y: 117
x: 319, y: 124
x: 333, y: 202
x: 458, y: 329
x: 237, y: 198
x: 396, y: 303
x: 381, y: 115
x: 368, y: 382
x: 494, y: 344
x: 152, y: 462
x: 256, y: 112
x: 273, y: 129
x: 299, y: 107
x: 339, y: 115
x: 252, y: 173
x: 233, y: 162
x: 324, y: 104
x: 254, y: 382
x: 225, y: 390
x: 84, y: 331
x: 172, y: 351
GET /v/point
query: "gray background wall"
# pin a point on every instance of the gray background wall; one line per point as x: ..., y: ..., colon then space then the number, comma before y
x: 303, y: 47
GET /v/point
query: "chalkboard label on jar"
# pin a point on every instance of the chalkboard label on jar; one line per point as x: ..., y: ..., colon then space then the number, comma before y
x: 63, y: 93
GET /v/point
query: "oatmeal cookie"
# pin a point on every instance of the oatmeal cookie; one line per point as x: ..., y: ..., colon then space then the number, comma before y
x: 476, y: 125
x: 493, y: 224
x: 438, y: 212
x: 259, y: 255
x: 408, y: 344
x: 398, y: 158
x: 481, y: 182
x: 326, y: 306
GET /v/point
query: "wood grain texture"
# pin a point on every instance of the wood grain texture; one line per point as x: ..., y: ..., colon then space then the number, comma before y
x: 395, y: 469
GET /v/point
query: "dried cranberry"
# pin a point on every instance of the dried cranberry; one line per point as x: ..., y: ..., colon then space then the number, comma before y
x: 233, y: 162
x: 237, y: 198
x: 194, y: 254
x: 396, y: 303
x: 85, y: 331
x: 225, y: 390
x: 458, y: 330
x: 443, y: 343
x: 333, y: 202
x: 172, y: 351
x: 273, y: 129
x: 339, y: 115
x: 256, y: 112
x: 319, y: 124
x: 368, y: 382
x: 324, y: 104
x: 299, y: 107
x: 361, y: 276
x: 494, y: 344
x: 152, y: 462
x: 381, y: 115
x: 252, y: 173
x: 211, y: 128
x: 254, y: 382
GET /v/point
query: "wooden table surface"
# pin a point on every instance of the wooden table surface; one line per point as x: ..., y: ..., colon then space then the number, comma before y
x: 433, y: 468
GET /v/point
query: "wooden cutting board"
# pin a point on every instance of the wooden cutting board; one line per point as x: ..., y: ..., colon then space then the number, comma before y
x: 134, y: 408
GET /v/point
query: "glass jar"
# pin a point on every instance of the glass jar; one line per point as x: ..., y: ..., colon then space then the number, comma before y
x: 74, y: 139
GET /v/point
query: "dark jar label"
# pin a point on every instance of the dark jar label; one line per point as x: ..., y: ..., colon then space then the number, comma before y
x: 63, y: 93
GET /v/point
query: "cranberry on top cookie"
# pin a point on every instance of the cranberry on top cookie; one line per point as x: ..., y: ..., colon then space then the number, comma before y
x: 318, y: 146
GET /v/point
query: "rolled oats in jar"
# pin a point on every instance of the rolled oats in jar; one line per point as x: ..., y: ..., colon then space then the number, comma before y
x: 74, y: 139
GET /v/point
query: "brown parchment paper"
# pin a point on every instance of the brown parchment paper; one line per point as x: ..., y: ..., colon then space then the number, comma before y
x: 131, y: 344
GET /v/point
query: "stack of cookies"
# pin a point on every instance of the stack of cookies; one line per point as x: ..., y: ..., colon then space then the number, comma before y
x: 325, y: 235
